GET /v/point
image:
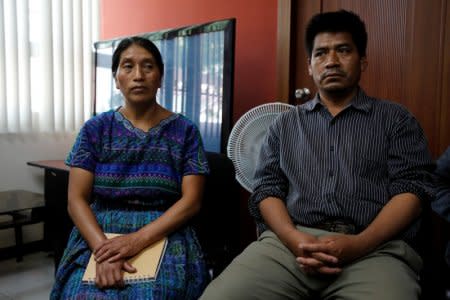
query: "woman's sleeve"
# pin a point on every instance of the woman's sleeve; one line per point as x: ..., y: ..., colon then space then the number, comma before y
x: 194, y: 161
x: 83, y: 154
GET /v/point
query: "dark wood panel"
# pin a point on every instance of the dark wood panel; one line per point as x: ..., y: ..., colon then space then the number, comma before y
x: 404, y: 54
x: 423, y: 93
x: 444, y: 126
x: 407, y: 54
x: 305, y: 9
x: 292, y: 61
x: 284, y: 49
x: 386, y: 49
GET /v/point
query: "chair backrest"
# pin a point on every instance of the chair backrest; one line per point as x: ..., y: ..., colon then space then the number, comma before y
x: 433, y: 238
x: 217, y: 224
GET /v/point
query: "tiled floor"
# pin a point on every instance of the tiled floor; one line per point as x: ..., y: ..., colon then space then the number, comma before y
x: 32, y: 278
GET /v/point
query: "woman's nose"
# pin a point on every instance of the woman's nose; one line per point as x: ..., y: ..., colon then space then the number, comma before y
x: 138, y: 73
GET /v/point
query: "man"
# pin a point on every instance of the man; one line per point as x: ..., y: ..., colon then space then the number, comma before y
x: 441, y: 203
x: 340, y: 182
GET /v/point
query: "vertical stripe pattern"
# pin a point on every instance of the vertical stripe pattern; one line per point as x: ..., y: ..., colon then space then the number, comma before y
x: 348, y: 166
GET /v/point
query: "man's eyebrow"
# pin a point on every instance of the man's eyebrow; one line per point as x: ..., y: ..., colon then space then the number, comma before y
x: 343, y: 44
x: 332, y: 46
x: 321, y: 48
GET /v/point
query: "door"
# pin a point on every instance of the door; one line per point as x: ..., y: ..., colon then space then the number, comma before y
x: 408, y: 53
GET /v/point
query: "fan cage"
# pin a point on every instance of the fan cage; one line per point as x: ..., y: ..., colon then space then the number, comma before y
x: 246, y: 139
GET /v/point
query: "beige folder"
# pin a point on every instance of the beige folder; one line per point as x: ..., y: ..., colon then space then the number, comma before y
x: 147, y: 263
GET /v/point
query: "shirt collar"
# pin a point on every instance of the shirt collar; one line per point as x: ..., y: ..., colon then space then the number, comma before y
x: 360, y: 102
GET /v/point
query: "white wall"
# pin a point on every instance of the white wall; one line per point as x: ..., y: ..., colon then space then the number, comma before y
x: 15, y: 151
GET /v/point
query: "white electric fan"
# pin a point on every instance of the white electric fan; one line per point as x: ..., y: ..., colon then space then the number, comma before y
x: 246, y: 139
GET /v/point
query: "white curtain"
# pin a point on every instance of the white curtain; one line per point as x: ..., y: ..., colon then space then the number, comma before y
x: 46, y: 63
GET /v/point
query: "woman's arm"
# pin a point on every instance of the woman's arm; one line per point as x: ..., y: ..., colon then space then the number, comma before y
x: 79, y: 193
x: 178, y: 214
x: 80, y: 186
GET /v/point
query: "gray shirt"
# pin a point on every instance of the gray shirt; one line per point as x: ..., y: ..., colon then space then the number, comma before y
x: 343, y: 167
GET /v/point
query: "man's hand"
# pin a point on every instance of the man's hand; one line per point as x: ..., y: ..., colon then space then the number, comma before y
x: 312, y: 262
x: 117, y: 248
x: 344, y: 247
x: 110, y: 275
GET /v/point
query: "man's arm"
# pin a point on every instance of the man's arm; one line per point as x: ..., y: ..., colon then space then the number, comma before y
x: 276, y: 216
x: 395, y: 216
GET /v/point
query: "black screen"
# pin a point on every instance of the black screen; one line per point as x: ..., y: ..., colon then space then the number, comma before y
x: 198, y: 77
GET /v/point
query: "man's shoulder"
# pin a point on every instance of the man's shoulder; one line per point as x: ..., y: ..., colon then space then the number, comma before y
x: 389, y: 107
x: 386, y: 103
x: 443, y: 162
x: 287, y: 115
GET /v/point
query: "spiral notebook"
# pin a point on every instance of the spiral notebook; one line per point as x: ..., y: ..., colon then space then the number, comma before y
x: 147, y: 263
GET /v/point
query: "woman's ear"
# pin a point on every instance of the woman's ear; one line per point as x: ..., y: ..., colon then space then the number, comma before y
x: 160, y: 81
x: 116, y: 81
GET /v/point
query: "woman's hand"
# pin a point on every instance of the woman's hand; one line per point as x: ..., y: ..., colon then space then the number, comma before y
x: 120, y: 247
x: 110, y: 275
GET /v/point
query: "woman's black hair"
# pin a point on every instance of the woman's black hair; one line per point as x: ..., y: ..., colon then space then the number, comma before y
x: 337, y: 21
x: 142, y: 42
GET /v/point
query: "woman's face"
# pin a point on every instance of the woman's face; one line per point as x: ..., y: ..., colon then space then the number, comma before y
x: 138, y: 76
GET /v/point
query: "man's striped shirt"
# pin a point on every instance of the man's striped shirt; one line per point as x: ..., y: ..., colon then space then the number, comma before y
x: 343, y: 167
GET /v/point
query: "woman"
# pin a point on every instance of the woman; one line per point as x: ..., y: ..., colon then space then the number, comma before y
x: 142, y: 167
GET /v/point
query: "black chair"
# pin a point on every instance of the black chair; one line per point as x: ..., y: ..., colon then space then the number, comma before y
x: 433, y: 238
x: 217, y: 224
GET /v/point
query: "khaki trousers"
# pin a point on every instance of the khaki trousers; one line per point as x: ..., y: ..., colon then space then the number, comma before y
x: 267, y: 270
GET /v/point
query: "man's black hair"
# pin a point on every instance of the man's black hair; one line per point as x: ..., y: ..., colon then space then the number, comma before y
x: 337, y: 21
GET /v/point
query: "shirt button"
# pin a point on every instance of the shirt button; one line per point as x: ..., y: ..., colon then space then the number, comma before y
x: 331, y: 148
x: 330, y: 173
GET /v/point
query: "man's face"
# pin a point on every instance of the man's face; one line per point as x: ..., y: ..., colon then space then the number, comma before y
x: 335, y: 64
x: 138, y: 76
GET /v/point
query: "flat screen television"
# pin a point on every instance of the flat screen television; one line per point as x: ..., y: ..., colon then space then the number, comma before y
x: 198, y: 77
